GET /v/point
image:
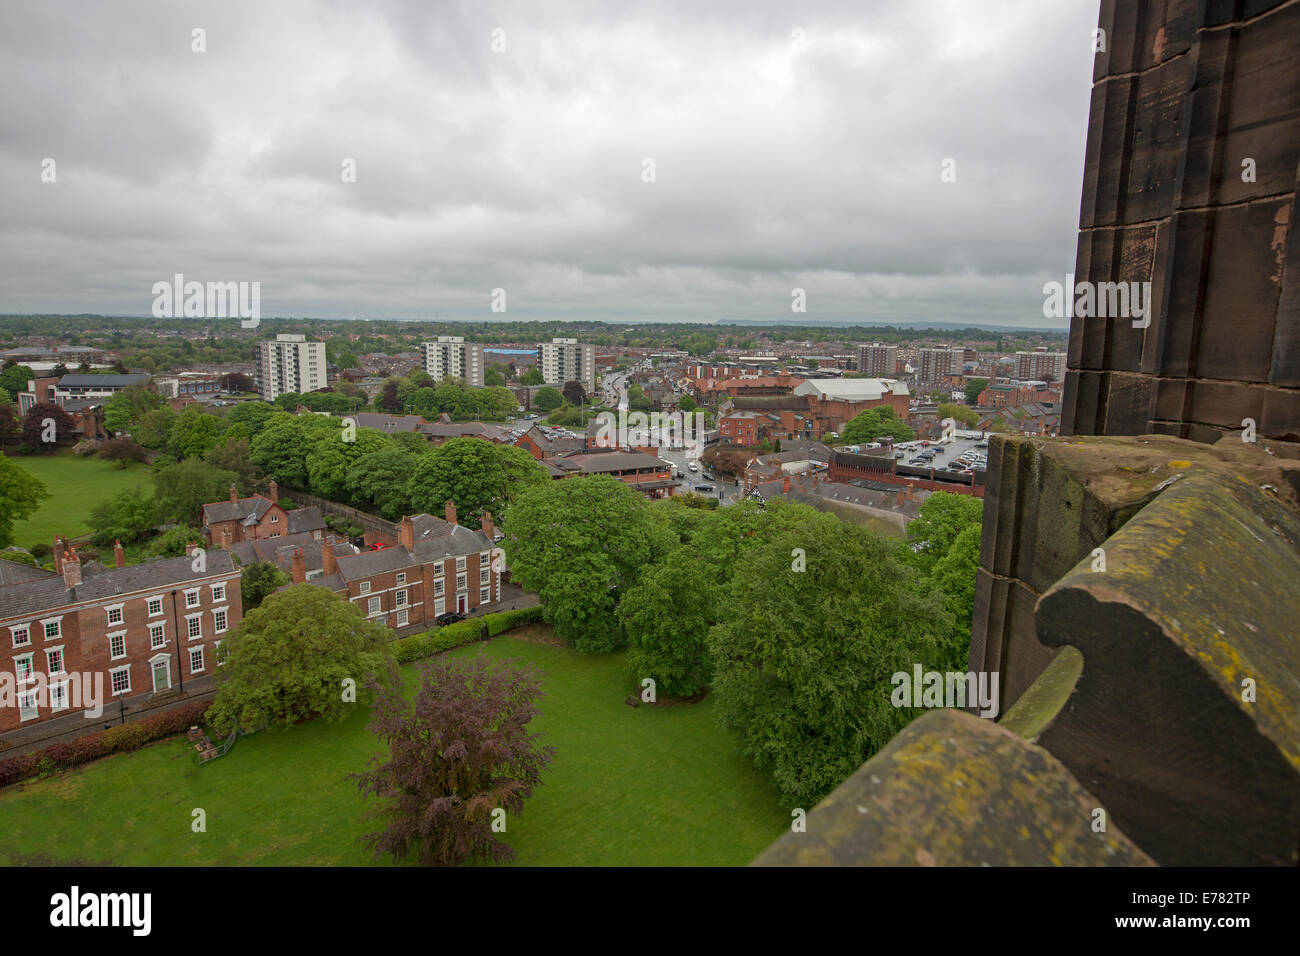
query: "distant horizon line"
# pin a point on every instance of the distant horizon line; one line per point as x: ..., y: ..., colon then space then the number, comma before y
x: 917, y: 325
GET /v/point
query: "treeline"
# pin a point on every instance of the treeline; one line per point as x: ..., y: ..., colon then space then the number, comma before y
x: 795, y: 620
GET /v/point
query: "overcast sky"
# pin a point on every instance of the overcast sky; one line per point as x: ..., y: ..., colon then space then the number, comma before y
x: 781, y: 159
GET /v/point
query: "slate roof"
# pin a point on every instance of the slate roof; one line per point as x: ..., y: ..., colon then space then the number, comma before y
x: 280, y: 550
x: 305, y: 520
x: 232, y: 510
x: 388, y: 423
x: 465, y: 430
x: 32, y: 598
x: 11, y: 572
x: 602, y: 462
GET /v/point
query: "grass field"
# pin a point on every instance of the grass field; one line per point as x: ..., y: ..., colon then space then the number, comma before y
x: 76, y: 486
x: 628, y: 786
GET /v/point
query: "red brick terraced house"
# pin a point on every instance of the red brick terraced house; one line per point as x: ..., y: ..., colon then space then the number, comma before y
x: 142, y: 630
x: 257, y: 518
x: 437, y: 567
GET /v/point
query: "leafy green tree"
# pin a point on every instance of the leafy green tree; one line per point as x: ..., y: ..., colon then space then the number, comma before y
x: 687, y: 404
x: 636, y: 399
x: 493, y: 378
x: 532, y: 376
x: 548, y: 398
x: 234, y: 456
x: 941, y: 518
x: 153, y: 428
x: 963, y: 415
x: 803, y: 659
x: 477, y: 475
x: 182, y: 489
x: 331, y: 457
x: 304, y: 653
x: 257, y: 580
x: 127, y: 407
x: 174, y: 542
x: 193, y: 433
x: 126, y: 517
x: 875, y: 423
x: 581, y: 543
x: 974, y: 386
x: 14, y: 378
x: 252, y: 415
x: 667, y: 615
x: 943, y: 544
x: 21, y: 494
x: 282, y: 445
x: 379, y: 480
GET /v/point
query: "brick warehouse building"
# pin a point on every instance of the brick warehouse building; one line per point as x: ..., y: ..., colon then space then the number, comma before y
x: 144, y: 630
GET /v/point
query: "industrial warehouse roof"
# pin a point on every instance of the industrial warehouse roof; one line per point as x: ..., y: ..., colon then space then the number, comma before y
x: 852, y: 389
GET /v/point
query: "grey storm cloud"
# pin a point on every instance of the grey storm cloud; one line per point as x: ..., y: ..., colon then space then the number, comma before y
x: 792, y: 146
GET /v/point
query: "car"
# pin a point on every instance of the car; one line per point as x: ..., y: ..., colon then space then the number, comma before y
x: 704, y: 489
x: 451, y: 618
x: 898, y: 454
x: 378, y: 546
x: 692, y: 466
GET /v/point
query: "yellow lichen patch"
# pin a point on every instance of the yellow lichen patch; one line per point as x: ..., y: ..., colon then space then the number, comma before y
x: 1180, y: 464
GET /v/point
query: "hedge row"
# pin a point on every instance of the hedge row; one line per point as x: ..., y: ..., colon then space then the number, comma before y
x: 461, y: 633
x: 119, y: 739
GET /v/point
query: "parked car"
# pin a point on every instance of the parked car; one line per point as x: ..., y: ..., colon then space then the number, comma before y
x: 451, y: 618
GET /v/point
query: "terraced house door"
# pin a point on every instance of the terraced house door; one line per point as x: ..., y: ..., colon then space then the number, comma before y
x: 162, y: 676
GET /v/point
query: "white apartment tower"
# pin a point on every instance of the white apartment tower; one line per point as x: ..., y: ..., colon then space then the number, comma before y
x: 290, y: 364
x: 877, y: 360
x: 1040, y: 365
x: 453, y: 356
x: 567, y: 360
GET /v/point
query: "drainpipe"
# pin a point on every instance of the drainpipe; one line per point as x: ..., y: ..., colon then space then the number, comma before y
x: 176, y: 626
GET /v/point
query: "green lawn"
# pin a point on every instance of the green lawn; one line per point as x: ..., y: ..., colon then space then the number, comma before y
x: 76, y: 485
x: 628, y: 786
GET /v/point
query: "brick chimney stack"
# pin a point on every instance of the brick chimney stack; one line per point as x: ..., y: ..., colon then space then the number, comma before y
x: 72, y: 569
x: 909, y: 491
x: 234, y: 493
x: 119, y: 555
x: 785, y: 485
x: 299, y: 567
x: 58, y: 554
x: 406, y: 533
x: 451, y: 511
x: 225, y: 539
x: 900, y: 497
x: 273, y: 492
x: 488, y: 528
x: 329, y: 563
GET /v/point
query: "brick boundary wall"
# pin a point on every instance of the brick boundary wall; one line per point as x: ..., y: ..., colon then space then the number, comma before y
x: 376, y: 529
